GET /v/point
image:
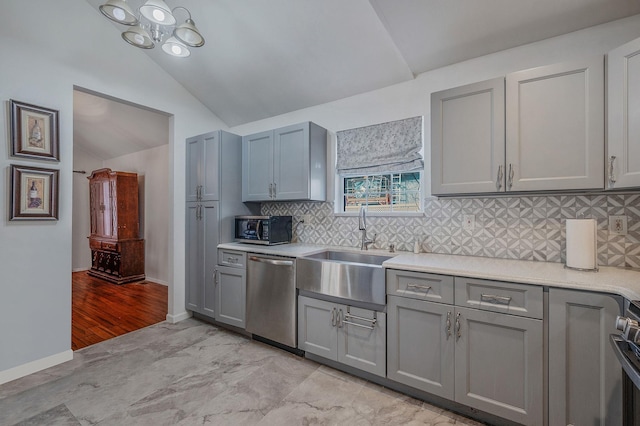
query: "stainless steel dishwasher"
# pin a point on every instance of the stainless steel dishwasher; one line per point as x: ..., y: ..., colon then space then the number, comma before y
x: 271, y: 299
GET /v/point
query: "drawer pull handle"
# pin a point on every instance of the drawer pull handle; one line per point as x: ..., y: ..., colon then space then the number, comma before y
x: 421, y: 287
x: 232, y: 260
x: 371, y: 320
x: 448, y: 329
x: 359, y: 325
x: 458, y: 326
x: 333, y: 317
x: 492, y: 298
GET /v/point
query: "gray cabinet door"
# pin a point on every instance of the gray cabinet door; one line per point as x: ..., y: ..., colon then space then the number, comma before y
x: 362, y: 339
x: 194, y: 274
x: 555, y: 127
x: 585, y: 379
x: 420, y: 345
x: 317, y: 330
x: 467, y: 139
x: 230, y: 296
x: 193, y: 168
x: 498, y: 367
x: 257, y: 166
x: 209, y: 254
x: 291, y: 162
x: 202, y: 169
x: 623, y: 113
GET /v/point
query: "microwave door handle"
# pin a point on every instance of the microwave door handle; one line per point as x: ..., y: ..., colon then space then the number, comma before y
x: 259, y: 230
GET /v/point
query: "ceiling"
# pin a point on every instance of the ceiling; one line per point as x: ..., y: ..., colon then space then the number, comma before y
x: 266, y: 58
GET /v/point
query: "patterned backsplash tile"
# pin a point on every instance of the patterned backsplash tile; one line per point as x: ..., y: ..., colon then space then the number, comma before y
x: 527, y: 228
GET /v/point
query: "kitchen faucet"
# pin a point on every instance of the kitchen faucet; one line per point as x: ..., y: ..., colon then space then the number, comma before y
x: 362, y: 225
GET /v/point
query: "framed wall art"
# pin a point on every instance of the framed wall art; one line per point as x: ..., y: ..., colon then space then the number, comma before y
x: 34, y: 131
x: 34, y: 193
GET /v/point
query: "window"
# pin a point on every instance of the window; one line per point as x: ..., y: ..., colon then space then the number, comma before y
x: 385, y: 192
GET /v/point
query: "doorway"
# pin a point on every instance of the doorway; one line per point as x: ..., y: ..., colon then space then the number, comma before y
x: 111, y: 133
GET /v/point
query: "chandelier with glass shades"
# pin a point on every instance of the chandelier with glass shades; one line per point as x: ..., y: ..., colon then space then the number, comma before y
x: 153, y: 22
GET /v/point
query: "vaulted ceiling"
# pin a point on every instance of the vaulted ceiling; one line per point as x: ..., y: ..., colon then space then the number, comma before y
x: 268, y: 57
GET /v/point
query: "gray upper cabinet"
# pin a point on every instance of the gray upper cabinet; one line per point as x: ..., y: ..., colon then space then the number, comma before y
x: 467, y: 138
x: 285, y: 164
x: 623, y: 109
x: 555, y: 127
x: 202, y: 178
x: 585, y: 378
x: 549, y: 137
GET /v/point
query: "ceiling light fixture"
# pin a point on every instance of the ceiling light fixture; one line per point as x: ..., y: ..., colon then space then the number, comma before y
x: 153, y: 22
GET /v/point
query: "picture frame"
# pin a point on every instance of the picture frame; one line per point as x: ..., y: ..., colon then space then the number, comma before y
x: 34, y: 193
x: 35, y: 131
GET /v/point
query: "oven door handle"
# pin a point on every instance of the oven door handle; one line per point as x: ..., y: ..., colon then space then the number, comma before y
x: 271, y: 261
x: 619, y: 345
x: 259, y: 230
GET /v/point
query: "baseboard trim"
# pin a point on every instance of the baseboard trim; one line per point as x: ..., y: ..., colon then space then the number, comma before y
x: 34, y: 366
x: 177, y: 318
x: 157, y: 281
x: 79, y: 269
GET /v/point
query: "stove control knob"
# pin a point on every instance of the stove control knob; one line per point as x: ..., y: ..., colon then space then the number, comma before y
x: 621, y: 323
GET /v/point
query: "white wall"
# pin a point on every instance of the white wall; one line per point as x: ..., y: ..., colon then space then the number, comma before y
x: 151, y: 166
x: 41, y: 65
x: 81, y: 225
x: 412, y: 98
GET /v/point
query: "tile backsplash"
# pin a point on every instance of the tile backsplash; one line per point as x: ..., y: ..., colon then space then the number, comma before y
x: 527, y: 228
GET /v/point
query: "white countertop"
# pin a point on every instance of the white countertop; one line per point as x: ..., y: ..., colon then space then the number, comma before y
x: 624, y: 282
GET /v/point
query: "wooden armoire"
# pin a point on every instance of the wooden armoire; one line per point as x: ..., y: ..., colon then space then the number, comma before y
x: 117, y: 251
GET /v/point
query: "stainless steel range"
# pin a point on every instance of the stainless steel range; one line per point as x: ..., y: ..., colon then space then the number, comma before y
x: 626, y: 346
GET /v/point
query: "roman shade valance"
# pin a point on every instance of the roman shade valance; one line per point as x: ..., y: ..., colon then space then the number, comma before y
x: 387, y: 147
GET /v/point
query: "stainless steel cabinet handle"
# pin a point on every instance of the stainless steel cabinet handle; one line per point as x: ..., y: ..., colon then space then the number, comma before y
x: 198, y: 207
x: 339, y: 320
x: 272, y: 261
x: 275, y: 195
x: 358, y: 325
x: 612, y: 178
x: 448, y: 329
x: 199, y: 192
x: 333, y: 317
x: 458, y: 326
x: 232, y: 260
x: 421, y: 287
x: 511, y: 173
x: 499, y: 177
x: 271, y: 190
x: 492, y: 298
x: 371, y: 320
x: 215, y: 276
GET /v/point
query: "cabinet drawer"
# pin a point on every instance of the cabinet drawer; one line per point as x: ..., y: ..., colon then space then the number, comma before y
x: 95, y: 245
x: 109, y: 246
x: 516, y: 299
x: 234, y: 259
x: 420, y: 285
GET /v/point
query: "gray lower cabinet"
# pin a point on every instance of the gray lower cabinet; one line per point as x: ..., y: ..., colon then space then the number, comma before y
x: 499, y: 364
x: 200, y: 254
x: 585, y: 379
x: 420, y: 345
x: 342, y: 333
x: 230, y: 295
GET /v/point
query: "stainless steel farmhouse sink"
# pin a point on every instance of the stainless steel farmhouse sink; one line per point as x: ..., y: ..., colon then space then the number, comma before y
x: 354, y: 276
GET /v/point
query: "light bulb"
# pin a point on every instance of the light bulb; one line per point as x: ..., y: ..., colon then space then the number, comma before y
x: 118, y: 14
x: 159, y: 15
x: 138, y: 39
x: 176, y: 49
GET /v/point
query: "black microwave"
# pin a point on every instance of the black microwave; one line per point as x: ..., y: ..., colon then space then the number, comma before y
x: 267, y: 230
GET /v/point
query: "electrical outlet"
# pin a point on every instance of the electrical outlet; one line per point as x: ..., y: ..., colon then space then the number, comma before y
x: 468, y: 222
x: 618, y: 225
x: 306, y: 218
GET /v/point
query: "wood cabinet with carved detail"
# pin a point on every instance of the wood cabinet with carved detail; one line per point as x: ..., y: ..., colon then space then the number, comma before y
x: 117, y: 251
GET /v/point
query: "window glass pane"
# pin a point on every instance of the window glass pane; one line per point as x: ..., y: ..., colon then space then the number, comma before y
x: 382, y: 192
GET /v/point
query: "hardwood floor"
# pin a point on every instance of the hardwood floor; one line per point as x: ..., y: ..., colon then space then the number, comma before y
x: 102, y: 310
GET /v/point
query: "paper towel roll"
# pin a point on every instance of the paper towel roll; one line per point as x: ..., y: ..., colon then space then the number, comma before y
x: 582, y: 245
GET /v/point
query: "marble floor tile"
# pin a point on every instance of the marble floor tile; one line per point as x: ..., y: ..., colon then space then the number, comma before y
x: 193, y: 373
